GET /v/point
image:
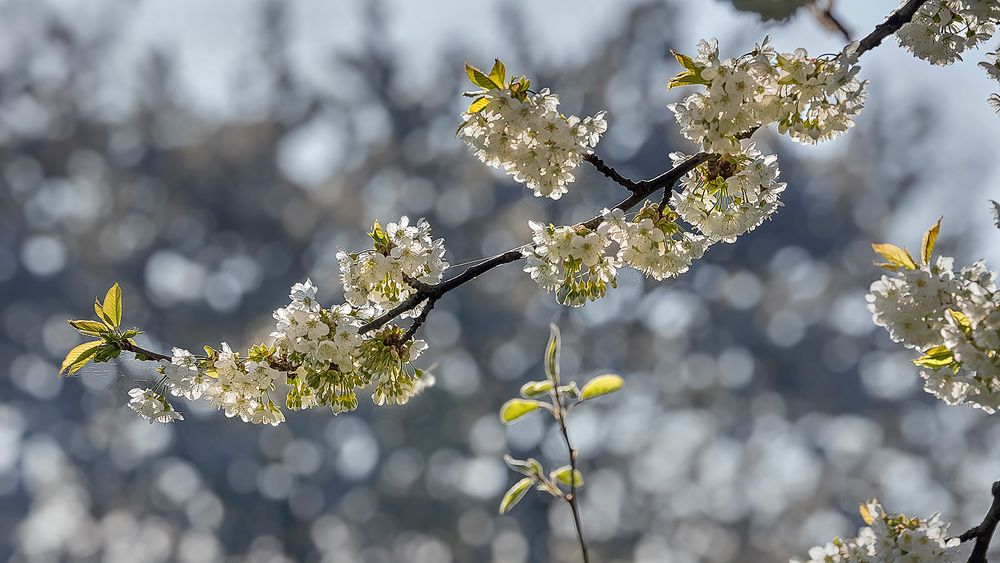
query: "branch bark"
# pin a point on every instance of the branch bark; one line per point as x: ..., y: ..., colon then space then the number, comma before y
x: 983, y: 533
x: 891, y: 25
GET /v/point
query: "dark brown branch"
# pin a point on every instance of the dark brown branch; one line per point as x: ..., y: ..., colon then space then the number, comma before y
x: 611, y: 173
x: 983, y: 533
x: 144, y: 354
x: 891, y: 25
x: 417, y: 322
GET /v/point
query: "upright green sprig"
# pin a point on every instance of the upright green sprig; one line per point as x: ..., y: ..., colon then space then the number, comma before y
x: 111, y: 339
x: 558, y: 399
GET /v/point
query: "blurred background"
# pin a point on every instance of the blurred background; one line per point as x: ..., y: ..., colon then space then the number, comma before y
x: 207, y: 155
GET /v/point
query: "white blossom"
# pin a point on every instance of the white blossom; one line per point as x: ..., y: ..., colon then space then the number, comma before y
x: 571, y: 261
x: 911, y: 304
x: 895, y: 538
x: 152, y: 406
x: 183, y: 377
x: 528, y: 138
x: 730, y: 195
x: 653, y: 243
x: 378, y: 278
x: 941, y: 30
x: 953, y: 319
x: 811, y: 99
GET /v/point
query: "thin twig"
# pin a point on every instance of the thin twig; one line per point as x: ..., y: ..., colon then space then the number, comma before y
x: 571, y: 497
x: 983, y: 533
x: 611, y: 173
x: 827, y: 19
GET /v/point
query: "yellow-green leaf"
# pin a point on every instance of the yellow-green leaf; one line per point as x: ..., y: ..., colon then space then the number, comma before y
x: 498, y: 74
x: 687, y: 78
x: 516, y: 408
x: 963, y: 321
x: 478, y: 105
x: 79, y: 356
x: 89, y: 328
x: 552, y: 355
x: 866, y: 514
x: 897, y: 257
x: 935, y: 358
x: 601, y: 385
x: 113, y: 306
x: 515, y: 494
x: 99, y: 310
x: 534, y: 389
x: 927, y: 244
x: 477, y: 77
x: 530, y: 467
x: 685, y: 61
x: 567, y: 476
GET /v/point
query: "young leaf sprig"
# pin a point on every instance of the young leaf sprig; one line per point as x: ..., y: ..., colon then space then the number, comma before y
x: 111, y: 339
x: 558, y: 399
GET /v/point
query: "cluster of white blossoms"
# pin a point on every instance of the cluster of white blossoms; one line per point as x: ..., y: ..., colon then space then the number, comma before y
x: 894, y: 538
x: 523, y: 133
x: 951, y: 318
x: 730, y: 195
x: 378, y: 278
x: 722, y: 198
x: 942, y: 30
x: 578, y: 263
x: 152, y: 405
x: 572, y: 261
x: 653, y: 243
x: 811, y: 99
x: 318, y: 357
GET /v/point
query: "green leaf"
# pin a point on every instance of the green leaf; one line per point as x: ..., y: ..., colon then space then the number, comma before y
x: 897, y: 257
x: 99, y: 310
x: 113, y: 306
x: 516, y: 408
x: 477, y: 77
x: 927, y: 244
x: 685, y: 61
x: 498, y: 74
x: 567, y: 476
x: 687, y: 78
x: 478, y: 105
x: 963, y: 321
x: 601, y: 385
x: 935, y: 358
x: 89, y: 328
x: 530, y: 467
x: 552, y: 355
x: 515, y: 494
x: 533, y: 389
x: 79, y: 356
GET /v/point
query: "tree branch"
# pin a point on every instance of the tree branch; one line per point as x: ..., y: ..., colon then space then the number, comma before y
x: 640, y: 191
x: 983, y: 533
x: 891, y: 25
